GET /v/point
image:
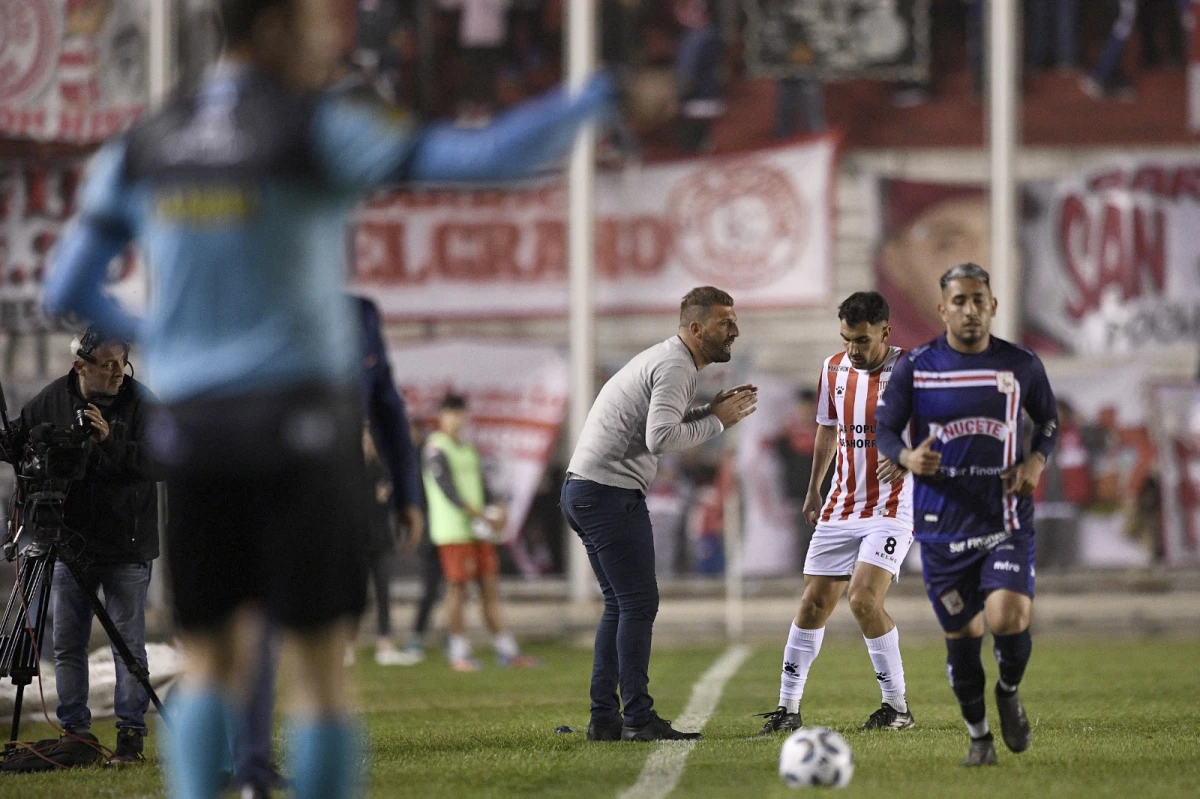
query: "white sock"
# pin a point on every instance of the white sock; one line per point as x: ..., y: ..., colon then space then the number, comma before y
x: 505, y: 644
x: 460, y: 647
x: 798, y: 656
x: 978, y: 730
x: 889, y: 668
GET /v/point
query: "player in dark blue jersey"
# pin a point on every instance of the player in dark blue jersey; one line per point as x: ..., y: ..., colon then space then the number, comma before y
x: 963, y: 395
x: 237, y: 195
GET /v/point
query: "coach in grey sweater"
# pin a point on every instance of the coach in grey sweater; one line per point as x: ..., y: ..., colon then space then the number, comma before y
x: 641, y: 413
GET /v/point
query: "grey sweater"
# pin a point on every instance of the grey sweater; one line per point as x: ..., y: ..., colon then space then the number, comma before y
x: 640, y: 414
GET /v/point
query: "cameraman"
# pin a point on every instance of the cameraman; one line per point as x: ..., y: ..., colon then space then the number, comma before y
x: 111, y: 518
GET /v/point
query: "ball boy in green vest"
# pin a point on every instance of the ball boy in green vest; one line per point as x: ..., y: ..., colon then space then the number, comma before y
x: 463, y: 521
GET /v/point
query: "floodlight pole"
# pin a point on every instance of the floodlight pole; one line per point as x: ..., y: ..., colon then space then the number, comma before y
x: 161, y: 51
x: 581, y: 253
x: 1003, y: 99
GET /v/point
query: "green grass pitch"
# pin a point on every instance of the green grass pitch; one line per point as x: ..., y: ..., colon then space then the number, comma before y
x: 1115, y: 718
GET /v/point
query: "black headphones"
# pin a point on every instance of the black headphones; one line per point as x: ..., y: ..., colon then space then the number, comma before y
x: 91, y: 339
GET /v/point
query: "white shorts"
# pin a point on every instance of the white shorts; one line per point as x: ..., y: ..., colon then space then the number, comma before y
x: 836, y: 548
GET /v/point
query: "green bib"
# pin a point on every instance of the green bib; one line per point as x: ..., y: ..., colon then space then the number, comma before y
x: 447, y: 523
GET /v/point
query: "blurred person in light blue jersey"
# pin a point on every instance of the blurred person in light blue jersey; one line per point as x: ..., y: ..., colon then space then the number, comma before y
x: 237, y: 195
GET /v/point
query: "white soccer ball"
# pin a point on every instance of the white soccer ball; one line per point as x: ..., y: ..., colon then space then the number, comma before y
x: 816, y: 757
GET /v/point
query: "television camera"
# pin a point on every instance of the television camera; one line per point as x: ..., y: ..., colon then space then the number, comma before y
x: 46, y: 460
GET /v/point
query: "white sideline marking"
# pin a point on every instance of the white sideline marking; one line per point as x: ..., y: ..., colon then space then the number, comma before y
x: 665, y: 764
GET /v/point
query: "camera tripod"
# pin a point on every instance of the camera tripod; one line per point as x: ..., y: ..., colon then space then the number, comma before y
x: 31, y: 594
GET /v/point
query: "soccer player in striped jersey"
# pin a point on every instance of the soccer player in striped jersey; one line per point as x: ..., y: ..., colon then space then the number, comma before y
x: 962, y: 396
x: 863, y: 528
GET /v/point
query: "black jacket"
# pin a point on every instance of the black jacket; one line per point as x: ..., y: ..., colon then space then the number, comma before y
x: 115, y: 506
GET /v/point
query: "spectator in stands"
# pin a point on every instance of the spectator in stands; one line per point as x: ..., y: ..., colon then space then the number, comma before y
x: 1108, y: 78
x: 667, y: 502
x: 385, y: 48
x: 698, y: 82
x: 1047, y: 17
x: 795, y: 448
x: 1143, y: 515
x: 464, y: 520
x: 799, y: 107
x: 1064, y: 490
x: 706, y: 520
x: 482, y: 31
x: 1165, y: 17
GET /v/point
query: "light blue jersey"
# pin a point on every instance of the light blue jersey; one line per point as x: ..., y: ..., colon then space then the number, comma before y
x: 238, y: 196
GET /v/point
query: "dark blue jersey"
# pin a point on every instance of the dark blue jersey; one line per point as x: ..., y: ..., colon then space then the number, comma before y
x: 971, y: 405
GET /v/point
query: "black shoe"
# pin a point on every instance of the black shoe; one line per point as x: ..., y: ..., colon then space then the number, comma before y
x: 981, y: 753
x: 1014, y: 724
x: 269, y: 782
x: 779, y: 720
x: 888, y: 718
x: 129, y: 748
x: 656, y: 729
x: 604, y: 730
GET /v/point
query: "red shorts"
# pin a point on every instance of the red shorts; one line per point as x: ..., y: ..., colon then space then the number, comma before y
x: 464, y: 563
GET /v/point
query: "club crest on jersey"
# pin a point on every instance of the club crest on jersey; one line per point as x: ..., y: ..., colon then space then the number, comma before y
x: 1006, y: 382
x: 971, y: 426
x: 839, y: 390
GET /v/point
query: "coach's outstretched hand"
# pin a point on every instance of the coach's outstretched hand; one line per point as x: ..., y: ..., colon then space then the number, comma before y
x: 922, y: 461
x: 1023, y: 478
x: 734, y: 404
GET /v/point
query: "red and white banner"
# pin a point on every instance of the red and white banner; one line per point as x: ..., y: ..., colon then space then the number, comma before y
x: 72, y: 70
x: 757, y: 225
x: 36, y: 200
x: 920, y: 231
x: 517, y: 397
x: 1110, y: 257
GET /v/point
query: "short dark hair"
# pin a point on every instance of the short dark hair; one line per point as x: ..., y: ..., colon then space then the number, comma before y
x: 966, y: 271
x: 92, y: 339
x: 864, y: 306
x: 238, y: 17
x: 453, y: 402
x: 699, y: 301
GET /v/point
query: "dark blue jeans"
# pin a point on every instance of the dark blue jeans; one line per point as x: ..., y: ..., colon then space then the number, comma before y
x: 124, y: 587
x: 615, y: 528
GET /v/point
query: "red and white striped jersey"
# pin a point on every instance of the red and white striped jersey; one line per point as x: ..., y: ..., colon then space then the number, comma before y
x: 846, y: 399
